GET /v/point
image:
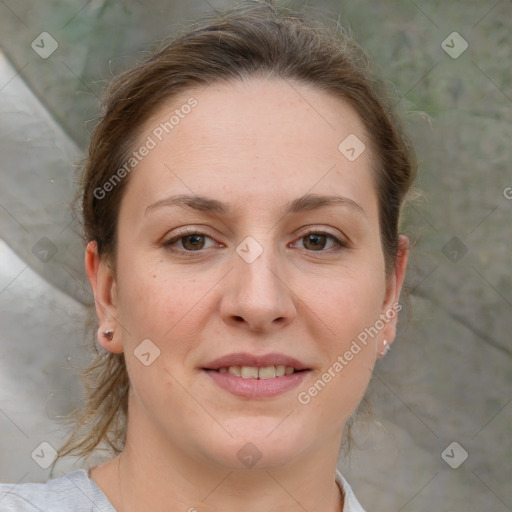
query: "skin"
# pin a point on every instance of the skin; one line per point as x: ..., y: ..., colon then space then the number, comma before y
x: 255, y: 145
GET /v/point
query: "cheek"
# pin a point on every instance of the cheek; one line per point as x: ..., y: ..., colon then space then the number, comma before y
x: 163, y: 304
x: 145, y: 292
x: 157, y: 305
x: 345, y: 303
x: 349, y: 358
x: 347, y: 308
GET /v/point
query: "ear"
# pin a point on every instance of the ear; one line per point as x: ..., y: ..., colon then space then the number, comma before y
x: 391, y: 306
x: 104, y: 287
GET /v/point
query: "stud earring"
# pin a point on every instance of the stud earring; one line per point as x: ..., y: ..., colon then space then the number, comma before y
x: 109, y: 334
x: 386, y: 348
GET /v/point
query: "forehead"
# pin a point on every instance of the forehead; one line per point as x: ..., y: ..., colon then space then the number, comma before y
x: 283, y: 111
x: 266, y: 138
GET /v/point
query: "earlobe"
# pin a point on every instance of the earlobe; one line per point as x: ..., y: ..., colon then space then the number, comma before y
x: 103, y: 285
x: 107, y: 339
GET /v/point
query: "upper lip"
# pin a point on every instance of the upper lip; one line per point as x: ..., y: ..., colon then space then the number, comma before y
x: 246, y: 359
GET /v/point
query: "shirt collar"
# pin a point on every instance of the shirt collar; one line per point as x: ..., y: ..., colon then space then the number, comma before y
x: 350, y: 501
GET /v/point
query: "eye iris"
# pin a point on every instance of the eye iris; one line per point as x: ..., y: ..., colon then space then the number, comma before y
x: 317, y: 240
x: 195, y: 239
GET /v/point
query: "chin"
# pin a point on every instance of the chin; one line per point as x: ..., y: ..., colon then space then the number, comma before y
x: 257, y: 443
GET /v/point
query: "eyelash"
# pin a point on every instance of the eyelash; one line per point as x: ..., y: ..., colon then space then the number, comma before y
x: 340, y: 245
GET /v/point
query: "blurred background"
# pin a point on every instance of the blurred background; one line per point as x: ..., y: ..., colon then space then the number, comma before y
x: 442, y: 396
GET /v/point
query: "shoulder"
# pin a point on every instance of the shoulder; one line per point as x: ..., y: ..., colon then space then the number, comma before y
x: 72, y: 491
x: 351, y: 503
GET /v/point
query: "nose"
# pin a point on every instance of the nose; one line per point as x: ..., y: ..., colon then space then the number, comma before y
x: 258, y: 295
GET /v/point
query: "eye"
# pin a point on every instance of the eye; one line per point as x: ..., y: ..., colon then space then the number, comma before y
x: 190, y: 241
x: 316, y: 241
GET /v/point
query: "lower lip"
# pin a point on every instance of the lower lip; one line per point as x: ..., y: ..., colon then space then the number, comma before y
x: 257, y: 388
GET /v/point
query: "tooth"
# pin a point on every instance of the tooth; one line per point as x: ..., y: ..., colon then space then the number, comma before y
x: 235, y: 370
x: 280, y: 370
x: 249, y: 372
x: 267, y: 372
x: 253, y: 372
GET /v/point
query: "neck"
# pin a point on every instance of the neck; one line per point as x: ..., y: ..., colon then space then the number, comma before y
x: 153, y: 474
x: 143, y: 478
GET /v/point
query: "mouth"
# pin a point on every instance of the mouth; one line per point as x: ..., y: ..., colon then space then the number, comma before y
x: 256, y: 382
x: 250, y: 376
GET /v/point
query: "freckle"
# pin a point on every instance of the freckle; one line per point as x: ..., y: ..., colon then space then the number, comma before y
x: 154, y: 275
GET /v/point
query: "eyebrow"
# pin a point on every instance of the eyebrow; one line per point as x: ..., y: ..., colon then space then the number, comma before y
x: 306, y: 202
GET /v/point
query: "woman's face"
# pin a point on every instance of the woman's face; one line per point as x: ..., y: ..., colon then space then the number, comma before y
x: 250, y: 262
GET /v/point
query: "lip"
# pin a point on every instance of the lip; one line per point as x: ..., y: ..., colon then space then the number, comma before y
x: 256, y: 388
x: 246, y: 359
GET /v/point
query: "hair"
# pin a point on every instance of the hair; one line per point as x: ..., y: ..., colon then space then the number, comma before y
x: 255, y: 38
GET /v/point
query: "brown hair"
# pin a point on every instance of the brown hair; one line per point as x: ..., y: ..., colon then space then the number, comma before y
x: 254, y: 38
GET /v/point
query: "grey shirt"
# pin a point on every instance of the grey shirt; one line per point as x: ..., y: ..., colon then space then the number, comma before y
x: 77, y: 492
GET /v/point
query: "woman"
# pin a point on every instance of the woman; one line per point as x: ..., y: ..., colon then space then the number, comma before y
x: 241, y: 204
